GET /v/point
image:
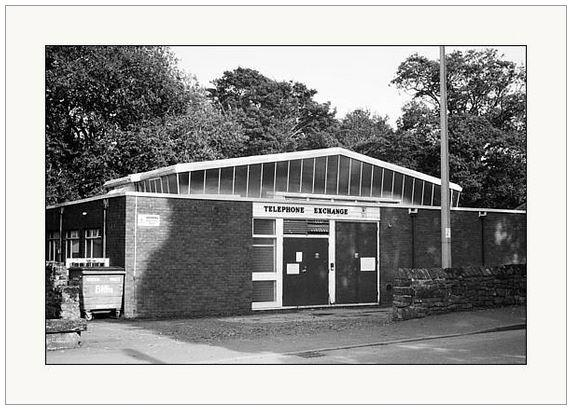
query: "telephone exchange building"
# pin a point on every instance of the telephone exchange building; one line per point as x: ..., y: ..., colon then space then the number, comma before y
x: 312, y: 228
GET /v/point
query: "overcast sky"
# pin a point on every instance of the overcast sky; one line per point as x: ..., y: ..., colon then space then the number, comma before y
x: 348, y: 77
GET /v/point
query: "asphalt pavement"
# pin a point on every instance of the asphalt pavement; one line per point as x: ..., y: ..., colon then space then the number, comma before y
x: 313, y: 336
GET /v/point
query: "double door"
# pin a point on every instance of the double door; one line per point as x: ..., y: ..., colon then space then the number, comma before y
x: 307, y: 270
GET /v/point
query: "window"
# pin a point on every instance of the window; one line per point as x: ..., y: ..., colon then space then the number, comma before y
x: 264, y: 245
x: 93, y: 244
x: 212, y: 181
x: 377, y: 181
x: 226, y: 180
x: 398, y: 186
x: 53, y: 251
x: 268, y: 171
x: 294, y: 175
x: 254, y: 181
x: 240, y: 175
x: 282, y: 176
x: 72, y: 244
x: 263, y: 255
x: 344, y: 176
x: 320, y: 176
x: 264, y: 269
x: 184, y: 183
x: 198, y: 182
x: 355, y: 177
x: 264, y: 291
x: 164, y: 185
x: 263, y: 227
x: 418, y: 192
x: 307, y: 175
x: 332, y: 175
x: 387, y: 183
x: 172, y: 182
x: 156, y: 185
x: 366, y: 179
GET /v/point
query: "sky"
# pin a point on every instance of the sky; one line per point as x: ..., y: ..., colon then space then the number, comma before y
x: 348, y: 77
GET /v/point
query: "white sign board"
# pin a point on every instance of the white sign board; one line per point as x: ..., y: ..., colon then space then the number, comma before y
x: 367, y: 264
x: 299, y: 256
x: 148, y: 220
x: 292, y: 268
x: 322, y: 211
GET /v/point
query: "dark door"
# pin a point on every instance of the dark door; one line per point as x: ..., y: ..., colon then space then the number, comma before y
x: 356, y: 260
x: 305, y: 272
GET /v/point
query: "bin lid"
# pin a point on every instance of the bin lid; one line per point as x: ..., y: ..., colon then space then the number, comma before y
x: 98, y: 270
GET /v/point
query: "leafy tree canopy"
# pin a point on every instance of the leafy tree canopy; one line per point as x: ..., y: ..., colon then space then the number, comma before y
x: 486, y: 101
x: 479, y: 83
x: 111, y: 111
x: 277, y: 116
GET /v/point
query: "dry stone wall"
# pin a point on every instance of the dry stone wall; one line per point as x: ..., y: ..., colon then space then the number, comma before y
x: 421, y: 292
x: 63, y: 322
x: 62, y: 299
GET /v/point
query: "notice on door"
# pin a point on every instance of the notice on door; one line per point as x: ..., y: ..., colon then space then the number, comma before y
x: 292, y: 268
x: 367, y: 264
x: 299, y: 256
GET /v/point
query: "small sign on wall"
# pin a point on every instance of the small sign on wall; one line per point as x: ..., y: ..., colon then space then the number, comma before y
x: 367, y: 264
x: 148, y: 220
x: 299, y: 256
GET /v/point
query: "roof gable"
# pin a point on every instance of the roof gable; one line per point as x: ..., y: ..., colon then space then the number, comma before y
x: 261, y: 159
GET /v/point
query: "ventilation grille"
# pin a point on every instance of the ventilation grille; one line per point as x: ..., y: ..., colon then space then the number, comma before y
x: 304, y: 227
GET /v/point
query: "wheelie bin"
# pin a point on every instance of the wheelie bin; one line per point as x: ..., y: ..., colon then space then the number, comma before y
x: 101, y: 289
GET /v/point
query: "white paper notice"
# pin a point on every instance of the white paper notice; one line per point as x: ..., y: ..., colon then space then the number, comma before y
x: 148, y: 220
x: 292, y: 268
x: 367, y: 264
x: 298, y: 256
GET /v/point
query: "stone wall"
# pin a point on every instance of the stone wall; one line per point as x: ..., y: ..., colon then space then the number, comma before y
x: 63, y: 323
x: 62, y: 299
x: 421, y: 292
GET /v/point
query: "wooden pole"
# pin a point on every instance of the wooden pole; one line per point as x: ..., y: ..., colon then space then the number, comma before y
x: 445, y: 196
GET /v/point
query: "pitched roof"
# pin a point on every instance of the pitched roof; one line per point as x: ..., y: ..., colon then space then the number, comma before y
x: 259, y: 159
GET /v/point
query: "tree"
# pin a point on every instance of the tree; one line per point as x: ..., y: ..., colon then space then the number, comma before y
x: 360, y: 126
x: 111, y: 111
x: 277, y: 116
x: 487, y: 124
x: 479, y: 83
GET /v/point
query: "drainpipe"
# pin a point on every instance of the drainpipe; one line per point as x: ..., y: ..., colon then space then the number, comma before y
x: 61, y: 244
x: 413, y: 213
x: 104, y: 231
x: 482, y: 215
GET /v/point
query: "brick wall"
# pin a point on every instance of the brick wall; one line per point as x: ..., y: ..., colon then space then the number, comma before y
x: 505, y: 238
x: 196, y: 262
x: 421, y: 292
x: 404, y: 247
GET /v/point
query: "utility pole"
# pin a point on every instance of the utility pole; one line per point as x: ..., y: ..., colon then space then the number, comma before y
x: 445, y: 195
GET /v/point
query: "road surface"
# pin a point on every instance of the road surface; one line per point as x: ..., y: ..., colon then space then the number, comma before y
x: 506, y: 347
